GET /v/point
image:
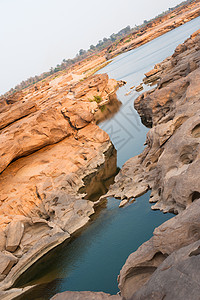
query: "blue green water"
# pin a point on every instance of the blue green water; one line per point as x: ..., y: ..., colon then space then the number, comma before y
x: 93, y: 259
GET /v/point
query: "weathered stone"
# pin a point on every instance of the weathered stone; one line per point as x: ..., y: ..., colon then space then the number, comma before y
x: 41, y: 202
x: 85, y: 296
x: 123, y: 203
x: 170, y: 167
x: 15, y: 292
x: 172, y: 235
x: 14, y: 233
x: 175, y: 278
x: 2, y: 240
x: 18, y: 111
x: 42, y: 246
x: 139, y: 88
x: 152, y: 72
x: 6, y: 263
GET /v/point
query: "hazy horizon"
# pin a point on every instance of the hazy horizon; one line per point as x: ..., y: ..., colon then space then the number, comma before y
x: 37, y: 35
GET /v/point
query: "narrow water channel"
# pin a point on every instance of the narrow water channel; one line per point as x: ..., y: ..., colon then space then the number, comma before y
x: 93, y: 259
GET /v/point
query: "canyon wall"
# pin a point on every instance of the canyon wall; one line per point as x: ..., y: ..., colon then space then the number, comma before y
x: 49, y: 145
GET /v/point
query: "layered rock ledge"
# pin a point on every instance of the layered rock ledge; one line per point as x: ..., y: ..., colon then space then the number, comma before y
x: 50, y: 148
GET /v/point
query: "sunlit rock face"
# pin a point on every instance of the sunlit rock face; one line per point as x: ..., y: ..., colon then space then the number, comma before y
x: 51, y: 150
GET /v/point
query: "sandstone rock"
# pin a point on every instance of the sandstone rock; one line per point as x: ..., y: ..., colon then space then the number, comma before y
x: 123, y: 203
x: 139, y: 88
x: 34, y: 232
x: 15, y: 292
x: 2, y: 240
x: 20, y: 110
x: 172, y: 235
x: 78, y: 216
x: 32, y: 133
x: 176, y: 278
x: 41, y: 183
x: 6, y: 263
x: 47, y: 116
x: 14, y: 233
x: 152, y: 72
x: 138, y: 268
x: 129, y: 182
x: 42, y: 246
x: 85, y: 296
x: 169, y: 166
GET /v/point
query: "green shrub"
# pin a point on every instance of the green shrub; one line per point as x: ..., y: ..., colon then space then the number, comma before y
x: 102, y: 108
x: 98, y: 99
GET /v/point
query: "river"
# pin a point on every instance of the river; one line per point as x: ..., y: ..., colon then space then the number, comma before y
x: 92, y: 260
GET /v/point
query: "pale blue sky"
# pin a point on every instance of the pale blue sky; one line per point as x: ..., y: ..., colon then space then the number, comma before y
x: 38, y: 34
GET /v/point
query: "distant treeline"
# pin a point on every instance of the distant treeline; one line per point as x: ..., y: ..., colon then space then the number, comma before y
x: 94, y: 49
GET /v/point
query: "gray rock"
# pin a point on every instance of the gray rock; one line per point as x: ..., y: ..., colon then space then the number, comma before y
x: 6, y: 263
x: 14, y: 234
x: 2, y: 240
x: 44, y: 245
x: 176, y: 278
x: 85, y: 296
x: 172, y: 235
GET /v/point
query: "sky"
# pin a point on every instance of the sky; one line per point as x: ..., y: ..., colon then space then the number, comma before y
x: 36, y: 35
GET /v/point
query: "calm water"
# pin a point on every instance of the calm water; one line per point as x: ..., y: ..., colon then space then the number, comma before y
x: 125, y: 129
x: 93, y: 260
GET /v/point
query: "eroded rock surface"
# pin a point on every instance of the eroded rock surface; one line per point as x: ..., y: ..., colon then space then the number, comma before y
x: 175, y: 278
x: 169, y: 165
x: 166, y: 266
x: 85, y: 296
x: 49, y: 145
x: 172, y: 235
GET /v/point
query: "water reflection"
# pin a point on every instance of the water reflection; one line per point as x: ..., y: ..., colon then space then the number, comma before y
x: 107, y: 111
x: 97, y: 183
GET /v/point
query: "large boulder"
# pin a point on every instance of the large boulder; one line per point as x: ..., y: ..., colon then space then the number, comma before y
x: 7, y: 261
x: 14, y: 233
x: 2, y: 240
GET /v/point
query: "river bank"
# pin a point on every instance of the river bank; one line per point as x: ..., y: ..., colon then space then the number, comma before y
x: 156, y: 28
